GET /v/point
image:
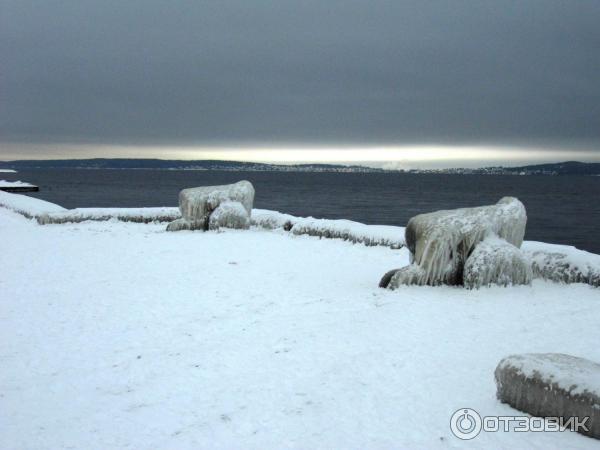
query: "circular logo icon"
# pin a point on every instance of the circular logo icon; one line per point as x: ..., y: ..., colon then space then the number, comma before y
x: 465, y: 423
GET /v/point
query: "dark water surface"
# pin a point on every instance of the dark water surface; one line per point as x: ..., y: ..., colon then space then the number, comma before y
x: 560, y: 209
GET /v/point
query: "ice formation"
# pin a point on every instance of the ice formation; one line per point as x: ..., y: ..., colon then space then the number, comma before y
x: 407, y: 275
x: 496, y: 261
x: 138, y: 215
x: 229, y: 215
x: 347, y: 230
x: 563, y: 264
x: 552, y: 385
x: 440, y: 242
x: 198, y: 204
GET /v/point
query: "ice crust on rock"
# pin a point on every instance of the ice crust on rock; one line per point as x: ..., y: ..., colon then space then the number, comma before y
x: 198, y: 204
x: 138, y: 215
x: 407, y: 275
x: 496, y: 261
x: 347, y: 230
x: 229, y: 215
x: 563, y: 264
x: 440, y: 242
x: 551, y: 385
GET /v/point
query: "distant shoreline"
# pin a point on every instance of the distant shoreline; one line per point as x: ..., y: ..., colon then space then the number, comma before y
x: 563, y: 168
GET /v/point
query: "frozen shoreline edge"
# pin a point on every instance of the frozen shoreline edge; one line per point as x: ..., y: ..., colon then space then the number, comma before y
x: 559, y: 263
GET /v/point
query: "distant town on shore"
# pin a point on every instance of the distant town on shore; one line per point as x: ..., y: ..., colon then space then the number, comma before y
x: 562, y: 168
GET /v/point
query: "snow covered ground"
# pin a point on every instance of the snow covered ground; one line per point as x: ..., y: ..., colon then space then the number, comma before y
x: 7, y: 171
x: 121, y: 335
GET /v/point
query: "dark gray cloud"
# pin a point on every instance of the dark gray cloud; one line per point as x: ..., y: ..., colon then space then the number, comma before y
x: 302, y: 72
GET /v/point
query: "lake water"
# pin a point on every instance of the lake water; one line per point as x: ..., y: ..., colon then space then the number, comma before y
x: 560, y: 209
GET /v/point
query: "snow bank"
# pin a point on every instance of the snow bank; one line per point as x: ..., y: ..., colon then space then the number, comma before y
x: 563, y: 263
x: 197, y: 204
x: 140, y: 215
x: 495, y: 261
x: 4, y: 183
x: 27, y: 206
x: 356, y: 232
x: 552, y: 385
x: 7, y: 171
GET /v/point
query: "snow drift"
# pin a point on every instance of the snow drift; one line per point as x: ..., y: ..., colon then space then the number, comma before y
x: 197, y: 205
x: 440, y: 242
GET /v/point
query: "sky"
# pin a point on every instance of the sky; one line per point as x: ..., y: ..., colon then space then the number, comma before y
x: 395, y: 83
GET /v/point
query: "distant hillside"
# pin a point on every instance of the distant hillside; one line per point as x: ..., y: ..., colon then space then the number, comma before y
x: 173, y: 164
x: 563, y: 168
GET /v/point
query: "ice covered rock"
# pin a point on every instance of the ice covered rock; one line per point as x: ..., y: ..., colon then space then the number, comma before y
x: 440, y: 242
x: 552, y: 385
x: 407, y: 275
x: 198, y: 204
x: 229, y: 215
x: 563, y: 263
x: 139, y: 215
x: 183, y: 224
x: 348, y: 230
x: 495, y: 261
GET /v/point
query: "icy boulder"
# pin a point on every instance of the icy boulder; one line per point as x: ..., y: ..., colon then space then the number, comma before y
x: 407, y: 275
x: 495, y: 261
x: 440, y: 242
x: 198, y: 204
x: 563, y: 263
x: 552, y: 385
x: 229, y: 215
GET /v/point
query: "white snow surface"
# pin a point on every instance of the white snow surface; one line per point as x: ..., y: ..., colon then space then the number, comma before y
x: 5, y: 183
x: 27, y: 206
x: 121, y: 335
x: 7, y: 171
x: 572, y: 374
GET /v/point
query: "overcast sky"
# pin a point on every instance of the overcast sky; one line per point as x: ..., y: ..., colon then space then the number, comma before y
x: 91, y: 78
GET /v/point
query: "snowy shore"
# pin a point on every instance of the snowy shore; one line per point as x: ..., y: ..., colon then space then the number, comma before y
x: 120, y: 335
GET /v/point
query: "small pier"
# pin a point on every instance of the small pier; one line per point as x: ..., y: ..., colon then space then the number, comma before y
x: 17, y: 186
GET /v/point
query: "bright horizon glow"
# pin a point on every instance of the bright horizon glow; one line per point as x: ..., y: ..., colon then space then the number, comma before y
x: 416, y: 156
